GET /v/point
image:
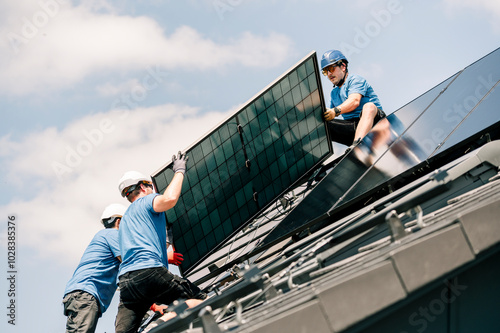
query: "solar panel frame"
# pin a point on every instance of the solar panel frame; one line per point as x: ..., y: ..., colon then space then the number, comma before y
x: 222, y: 178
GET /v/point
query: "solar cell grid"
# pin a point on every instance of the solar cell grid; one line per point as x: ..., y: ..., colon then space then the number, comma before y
x: 245, y: 163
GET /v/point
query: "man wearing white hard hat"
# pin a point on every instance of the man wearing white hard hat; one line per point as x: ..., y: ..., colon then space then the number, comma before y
x: 90, y: 290
x: 144, y: 277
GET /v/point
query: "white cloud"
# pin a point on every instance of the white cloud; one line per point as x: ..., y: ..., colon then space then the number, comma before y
x: 109, y: 89
x: 489, y: 7
x: 52, y: 47
x: 59, y: 211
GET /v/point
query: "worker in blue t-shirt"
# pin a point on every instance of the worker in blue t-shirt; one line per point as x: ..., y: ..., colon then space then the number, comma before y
x: 144, y: 277
x: 90, y: 290
x: 353, y: 98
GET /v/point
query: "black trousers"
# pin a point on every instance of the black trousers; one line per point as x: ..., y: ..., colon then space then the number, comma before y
x: 140, y: 289
x: 343, y: 131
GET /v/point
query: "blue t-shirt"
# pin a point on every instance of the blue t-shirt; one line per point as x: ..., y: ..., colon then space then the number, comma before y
x: 143, y: 236
x: 98, y: 268
x: 354, y: 84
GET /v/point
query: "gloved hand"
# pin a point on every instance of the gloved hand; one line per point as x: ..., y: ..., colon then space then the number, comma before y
x: 158, y: 308
x: 179, y: 162
x: 329, y: 114
x: 175, y: 258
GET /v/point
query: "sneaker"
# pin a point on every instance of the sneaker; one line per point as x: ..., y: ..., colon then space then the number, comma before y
x: 351, y: 147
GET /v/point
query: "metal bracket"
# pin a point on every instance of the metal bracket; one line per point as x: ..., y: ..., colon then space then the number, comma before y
x: 290, y: 283
x: 269, y: 288
x: 420, y: 216
x: 207, y: 321
x: 396, y: 227
x: 239, y: 312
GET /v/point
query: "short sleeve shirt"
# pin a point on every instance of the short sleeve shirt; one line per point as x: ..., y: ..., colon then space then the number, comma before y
x: 354, y: 84
x: 143, y: 236
x: 98, y: 268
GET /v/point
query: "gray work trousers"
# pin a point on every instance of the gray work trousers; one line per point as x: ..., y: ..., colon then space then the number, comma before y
x: 82, y: 310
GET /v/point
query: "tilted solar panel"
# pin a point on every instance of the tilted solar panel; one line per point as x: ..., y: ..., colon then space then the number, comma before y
x: 245, y: 163
x: 461, y: 106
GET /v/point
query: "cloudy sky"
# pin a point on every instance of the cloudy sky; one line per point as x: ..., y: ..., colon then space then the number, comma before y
x: 93, y: 88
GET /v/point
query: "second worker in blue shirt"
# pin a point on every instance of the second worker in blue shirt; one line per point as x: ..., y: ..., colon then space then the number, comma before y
x: 144, y: 277
x: 352, y: 97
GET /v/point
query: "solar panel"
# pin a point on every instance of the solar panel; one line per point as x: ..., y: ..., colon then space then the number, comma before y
x: 461, y: 109
x: 246, y: 162
x: 457, y: 108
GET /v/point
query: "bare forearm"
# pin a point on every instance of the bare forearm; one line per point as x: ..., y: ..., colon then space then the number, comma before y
x: 173, y: 190
x: 350, y: 104
x: 172, y: 193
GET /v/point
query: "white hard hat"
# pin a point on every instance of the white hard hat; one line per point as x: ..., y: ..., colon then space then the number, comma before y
x: 131, y: 178
x: 113, y: 210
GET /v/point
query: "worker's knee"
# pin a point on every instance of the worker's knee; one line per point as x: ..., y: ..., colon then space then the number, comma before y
x: 369, y: 110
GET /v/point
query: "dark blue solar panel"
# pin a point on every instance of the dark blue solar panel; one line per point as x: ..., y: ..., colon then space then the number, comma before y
x: 449, y: 113
x: 247, y: 162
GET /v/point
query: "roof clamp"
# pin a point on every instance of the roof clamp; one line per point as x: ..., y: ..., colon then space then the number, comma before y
x: 419, y: 223
x: 420, y: 216
x: 270, y: 291
x: 236, y: 271
x: 239, y: 312
x: 208, y: 321
x: 288, y: 272
x: 396, y: 227
x: 215, y: 288
x: 290, y: 283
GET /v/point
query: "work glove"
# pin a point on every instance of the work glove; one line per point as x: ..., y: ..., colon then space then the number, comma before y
x: 175, y: 258
x: 179, y: 162
x: 329, y: 114
x: 158, y: 308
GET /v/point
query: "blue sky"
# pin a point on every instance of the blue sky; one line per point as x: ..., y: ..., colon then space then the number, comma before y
x: 91, y: 89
